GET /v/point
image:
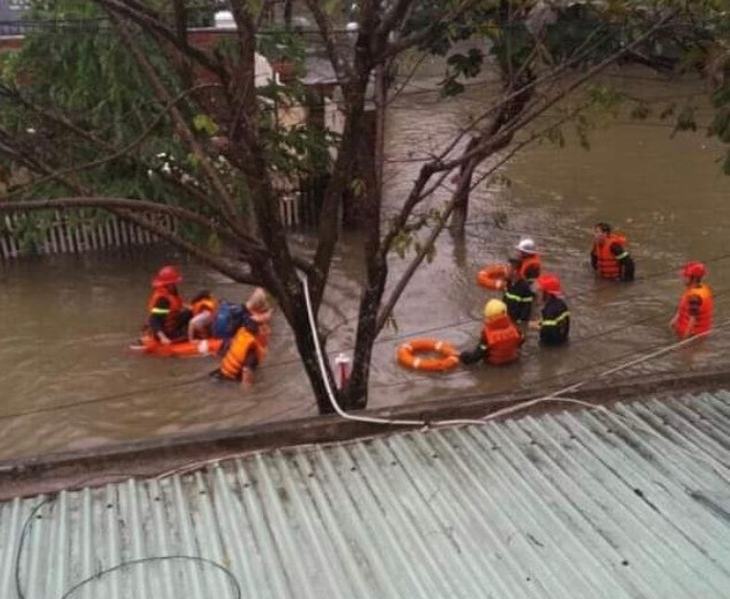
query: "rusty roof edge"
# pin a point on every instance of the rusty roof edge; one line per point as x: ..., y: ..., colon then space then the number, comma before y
x: 156, y: 456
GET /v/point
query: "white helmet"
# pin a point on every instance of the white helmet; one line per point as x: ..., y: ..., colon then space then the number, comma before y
x: 527, y: 245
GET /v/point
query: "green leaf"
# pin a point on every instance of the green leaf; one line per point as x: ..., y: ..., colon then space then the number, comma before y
x: 203, y: 122
x: 192, y: 160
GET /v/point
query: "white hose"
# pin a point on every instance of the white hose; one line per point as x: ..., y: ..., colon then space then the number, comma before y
x: 331, y: 395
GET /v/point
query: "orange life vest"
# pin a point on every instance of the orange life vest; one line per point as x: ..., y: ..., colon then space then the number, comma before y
x: 243, y: 342
x: 207, y: 304
x: 607, y: 264
x: 530, y: 262
x: 171, y: 314
x: 703, y: 322
x: 503, y: 340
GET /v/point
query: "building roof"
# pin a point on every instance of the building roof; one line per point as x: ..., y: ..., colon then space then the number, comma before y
x: 622, y: 502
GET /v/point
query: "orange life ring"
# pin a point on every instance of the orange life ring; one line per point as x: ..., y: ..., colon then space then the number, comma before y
x: 448, y: 356
x: 492, y: 276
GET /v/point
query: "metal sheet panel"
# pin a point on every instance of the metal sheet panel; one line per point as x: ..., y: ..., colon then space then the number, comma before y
x: 627, y: 502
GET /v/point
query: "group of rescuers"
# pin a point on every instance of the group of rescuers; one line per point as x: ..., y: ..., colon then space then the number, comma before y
x: 506, y: 320
x: 171, y: 320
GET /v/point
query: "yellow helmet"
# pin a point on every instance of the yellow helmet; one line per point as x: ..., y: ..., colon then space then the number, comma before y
x: 494, y: 308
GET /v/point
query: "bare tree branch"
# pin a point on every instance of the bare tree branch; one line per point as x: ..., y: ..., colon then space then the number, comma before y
x: 181, y: 21
x: 426, y: 248
x: 482, y: 148
x: 342, y: 67
x: 393, y: 96
x: 230, y: 268
x: 400, y: 45
x: 134, y: 211
x: 393, y: 18
x: 244, y: 78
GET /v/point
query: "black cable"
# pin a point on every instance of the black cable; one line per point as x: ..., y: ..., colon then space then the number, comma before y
x: 28, y: 525
x: 145, y: 560
x: 24, y: 533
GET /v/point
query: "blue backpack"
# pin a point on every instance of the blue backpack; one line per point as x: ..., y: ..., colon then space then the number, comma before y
x: 227, y: 320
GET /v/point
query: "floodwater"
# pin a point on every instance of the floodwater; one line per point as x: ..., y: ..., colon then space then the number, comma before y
x: 68, y: 382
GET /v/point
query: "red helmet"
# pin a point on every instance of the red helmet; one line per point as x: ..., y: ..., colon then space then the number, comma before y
x: 695, y: 270
x: 167, y: 275
x: 549, y: 283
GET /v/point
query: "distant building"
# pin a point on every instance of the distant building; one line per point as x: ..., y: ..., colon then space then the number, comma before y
x: 11, y: 14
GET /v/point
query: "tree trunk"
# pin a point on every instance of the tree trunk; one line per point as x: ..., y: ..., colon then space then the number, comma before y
x: 304, y: 338
x: 288, y: 13
x: 463, y: 180
x: 461, y: 210
x: 339, y: 182
x: 355, y: 393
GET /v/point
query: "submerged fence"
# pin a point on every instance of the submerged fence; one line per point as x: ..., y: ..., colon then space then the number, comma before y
x: 78, y: 231
x: 67, y: 232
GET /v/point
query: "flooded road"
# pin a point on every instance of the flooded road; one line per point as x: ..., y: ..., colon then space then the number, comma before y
x: 67, y: 320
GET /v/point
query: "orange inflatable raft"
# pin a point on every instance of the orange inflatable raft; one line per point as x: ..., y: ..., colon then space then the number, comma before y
x: 493, y: 276
x: 183, y: 349
x: 410, y: 355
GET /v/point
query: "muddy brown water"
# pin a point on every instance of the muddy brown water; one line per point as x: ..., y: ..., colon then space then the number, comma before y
x: 66, y: 321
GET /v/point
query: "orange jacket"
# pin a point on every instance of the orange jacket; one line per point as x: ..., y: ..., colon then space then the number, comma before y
x: 607, y: 265
x: 530, y: 263
x: 703, y: 322
x: 243, y: 342
x: 171, y: 313
x: 503, y: 340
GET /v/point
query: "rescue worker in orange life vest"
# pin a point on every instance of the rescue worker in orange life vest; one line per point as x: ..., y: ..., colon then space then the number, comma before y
x: 518, y: 294
x: 694, y: 313
x: 528, y: 259
x: 500, y: 339
x: 609, y: 256
x: 167, y: 315
x: 203, y: 307
x: 248, y: 346
x: 554, y: 321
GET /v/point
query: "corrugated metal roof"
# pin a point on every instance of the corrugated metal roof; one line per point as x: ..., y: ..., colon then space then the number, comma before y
x: 626, y: 502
